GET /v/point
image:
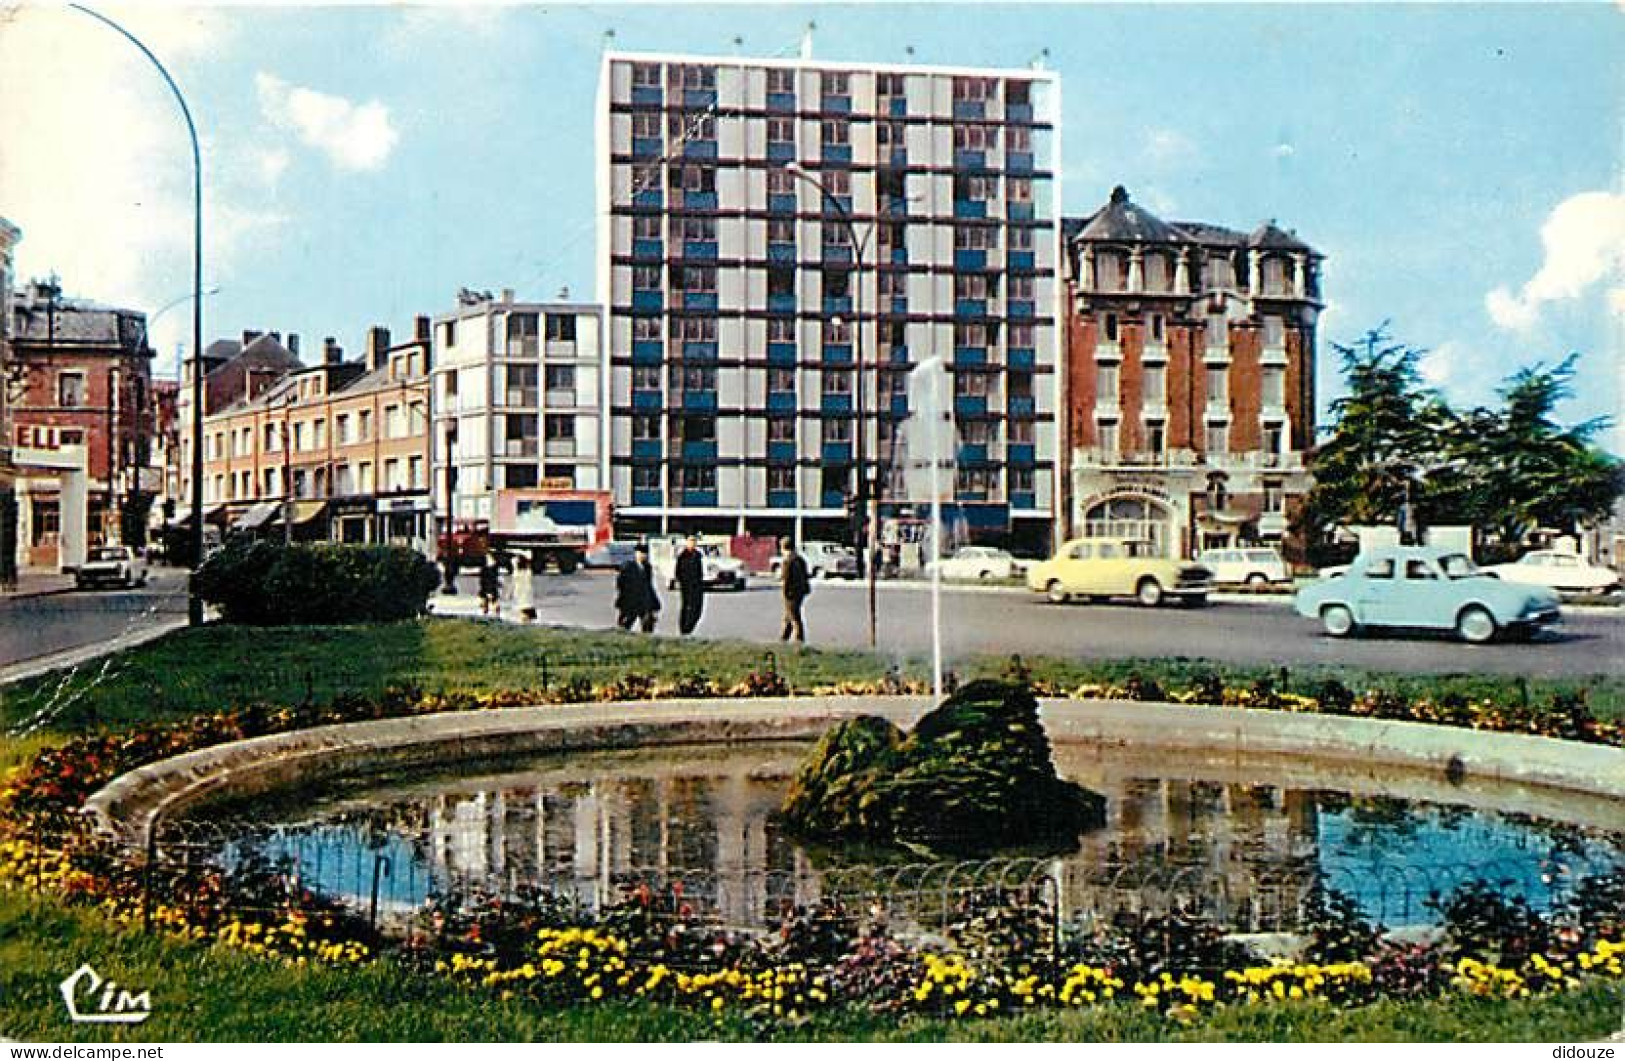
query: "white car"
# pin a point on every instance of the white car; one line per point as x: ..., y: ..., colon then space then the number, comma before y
x: 824, y: 560
x: 1561, y: 571
x: 978, y: 563
x: 1245, y: 567
x: 721, y: 571
x: 116, y: 565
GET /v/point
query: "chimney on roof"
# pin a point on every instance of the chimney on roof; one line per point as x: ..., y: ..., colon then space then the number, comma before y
x: 377, y: 347
x: 249, y: 336
x: 507, y: 296
x: 420, y: 328
x: 293, y: 344
x: 332, y: 353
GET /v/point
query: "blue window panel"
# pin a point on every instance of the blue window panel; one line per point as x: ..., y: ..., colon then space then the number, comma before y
x: 1019, y: 162
x: 1019, y: 211
x: 700, y: 498
x: 650, y: 197
x: 781, y: 252
x: 700, y: 149
x: 696, y: 98
x: 970, y: 406
x: 970, y: 259
x: 781, y: 452
x: 898, y: 156
x: 783, y: 203
x: 1022, y: 357
x: 841, y: 153
x: 700, y: 401
x: 1019, y: 260
x: 647, y: 498
x: 700, y: 351
x: 781, y: 101
x: 834, y: 499
x: 899, y: 106
x: 836, y: 403
x: 781, y: 353
x: 781, y: 303
x: 837, y: 254
x: 781, y: 499
x: 647, y: 146
x: 1021, y: 407
x: 1022, y: 310
x: 970, y: 355
x: 647, y: 449
x: 648, y: 300
x: 970, y: 307
x: 970, y: 109
x: 976, y: 454
x: 970, y: 495
x: 899, y: 305
x: 837, y: 304
x: 705, y: 249
x: 969, y: 208
x: 837, y: 353
x: 899, y: 255
x: 837, y: 104
x: 984, y: 516
x: 899, y: 403
x: 647, y: 351
x: 703, y: 300
x: 781, y: 401
x: 970, y: 159
x: 699, y: 200
x: 648, y: 400
x: 1024, y: 501
x: 899, y: 355
x: 896, y: 206
x: 837, y: 453
x: 1018, y: 112
x: 780, y: 152
x: 648, y: 248
x: 1020, y: 453
x: 648, y: 94
x: 699, y: 453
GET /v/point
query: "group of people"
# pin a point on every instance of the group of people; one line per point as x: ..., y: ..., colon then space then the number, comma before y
x: 637, y: 605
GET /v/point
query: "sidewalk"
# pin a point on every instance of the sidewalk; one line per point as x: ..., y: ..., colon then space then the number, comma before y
x: 37, y: 582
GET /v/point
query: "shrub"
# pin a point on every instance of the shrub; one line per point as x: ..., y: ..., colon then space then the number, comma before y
x: 264, y: 584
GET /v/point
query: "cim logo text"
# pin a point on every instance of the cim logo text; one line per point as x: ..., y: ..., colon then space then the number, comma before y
x: 92, y: 1000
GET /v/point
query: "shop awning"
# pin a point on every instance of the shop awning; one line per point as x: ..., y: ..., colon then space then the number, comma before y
x: 305, y: 511
x: 210, y: 515
x: 258, y: 515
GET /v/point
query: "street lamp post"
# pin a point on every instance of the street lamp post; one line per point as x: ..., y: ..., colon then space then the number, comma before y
x: 194, y: 606
x: 867, y: 520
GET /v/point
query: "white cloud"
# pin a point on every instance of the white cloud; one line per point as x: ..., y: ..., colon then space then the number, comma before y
x: 1285, y: 150
x: 1445, y: 365
x: 1167, y: 149
x: 1584, y: 240
x: 353, y: 136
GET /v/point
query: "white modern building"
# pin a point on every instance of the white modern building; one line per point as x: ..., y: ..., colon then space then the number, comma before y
x: 517, y: 394
x: 765, y: 226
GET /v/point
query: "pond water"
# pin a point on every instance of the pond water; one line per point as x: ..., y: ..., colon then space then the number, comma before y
x: 1239, y: 840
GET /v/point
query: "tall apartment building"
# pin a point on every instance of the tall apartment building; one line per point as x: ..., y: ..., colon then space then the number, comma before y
x: 764, y: 224
x: 518, y: 395
x: 1191, y: 378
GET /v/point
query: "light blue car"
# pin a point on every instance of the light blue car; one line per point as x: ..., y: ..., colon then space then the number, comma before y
x: 1423, y: 588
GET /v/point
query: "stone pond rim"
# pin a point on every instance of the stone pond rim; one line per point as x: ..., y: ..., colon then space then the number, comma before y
x: 1561, y: 773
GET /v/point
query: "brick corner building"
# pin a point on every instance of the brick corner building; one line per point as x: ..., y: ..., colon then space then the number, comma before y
x: 1190, y: 379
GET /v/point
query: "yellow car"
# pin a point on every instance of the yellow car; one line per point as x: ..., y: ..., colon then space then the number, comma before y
x: 1111, y: 567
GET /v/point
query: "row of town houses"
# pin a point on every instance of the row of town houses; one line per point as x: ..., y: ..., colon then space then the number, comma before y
x: 765, y: 228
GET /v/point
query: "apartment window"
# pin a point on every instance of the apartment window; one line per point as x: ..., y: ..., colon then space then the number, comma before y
x: 1274, y: 333
x: 1021, y: 384
x: 415, y: 466
x: 1155, y: 327
x: 1217, y: 437
x: 365, y: 476
x: 837, y: 283
x: 978, y: 432
x: 1218, y: 380
x: 1021, y: 239
x: 837, y: 430
x: 1106, y: 436
x: 394, y: 422
x: 781, y: 230
x: 1020, y: 336
x: 646, y: 477
x: 975, y: 237
x: 269, y: 442
x: 1274, y: 438
x: 889, y: 85
x: 695, y: 378
x: 364, y: 420
x: 889, y: 237
x: 891, y: 134
x: 781, y: 80
x: 697, y: 477
x: 1217, y: 272
x: 972, y: 384
x: 646, y: 226
x: 1274, y: 387
x: 976, y: 481
x: 975, y: 189
x: 1018, y: 189
x: 1018, y: 92
x: 268, y: 483
x: 645, y: 427
x: 837, y: 383
x: 687, y: 127
x: 693, y: 178
x: 1274, y: 496
x: 645, y: 328
x: 1021, y: 432
x: 299, y: 437
x: 1018, y: 138
x: 836, y: 235
x: 561, y: 327
x: 971, y: 285
x: 892, y: 284
x: 781, y: 429
x: 781, y: 380
x: 837, y: 332
x: 342, y: 427
x: 448, y: 333
x: 392, y: 475
x: 692, y: 77
x: 70, y: 389
x: 696, y: 329
x: 645, y: 176
x: 560, y: 429
x: 1111, y: 270
x: 838, y: 182
x: 1156, y: 436
x: 1107, y: 377
x: 1155, y: 267
x: 694, y: 278
x: 974, y: 137
x: 834, y: 84
x: 1154, y: 382
x: 781, y: 479
x: 781, y: 330
x: 781, y: 280
x: 645, y: 377
x: 561, y: 378
x: 1274, y: 276
x: 781, y: 130
x: 836, y: 132
x: 646, y: 277
x: 519, y: 476
x: 645, y: 126
x: 1218, y: 332
x: 1108, y: 327
x: 522, y: 333
x: 645, y: 75
x: 780, y: 182
x: 973, y: 89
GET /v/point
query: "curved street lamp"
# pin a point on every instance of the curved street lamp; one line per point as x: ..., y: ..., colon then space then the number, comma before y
x: 867, y: 521
x: 194, y: 604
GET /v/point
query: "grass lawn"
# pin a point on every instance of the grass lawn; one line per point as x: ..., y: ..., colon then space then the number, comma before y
x: 192, y: 671
x: 201, y: 994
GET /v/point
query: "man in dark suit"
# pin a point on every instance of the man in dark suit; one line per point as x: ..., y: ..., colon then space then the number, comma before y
x: 635, y: 601
x: 796, y: 585
x: 690, y: 577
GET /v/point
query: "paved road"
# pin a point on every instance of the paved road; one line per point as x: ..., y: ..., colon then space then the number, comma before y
x: 41, y: 626
x: 1591, y: 642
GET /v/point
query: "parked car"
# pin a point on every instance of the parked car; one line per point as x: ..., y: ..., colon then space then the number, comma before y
x: 610, y: 554
x: 1108, y: 567
x: 1418, y: 587
x: 1561, y: 571
x: 824, y: 560
x: 721, y: 571
x: 116, y: 565
x: 1245, y: 567
x: 979, y: 563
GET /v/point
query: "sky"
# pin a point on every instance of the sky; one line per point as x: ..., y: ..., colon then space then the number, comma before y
x: 1461, y: 165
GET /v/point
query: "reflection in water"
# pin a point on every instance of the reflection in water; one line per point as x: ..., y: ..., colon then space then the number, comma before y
x: 1238, y: 841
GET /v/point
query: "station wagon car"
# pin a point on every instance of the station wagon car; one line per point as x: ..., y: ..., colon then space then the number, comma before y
x: 1561, y: 571
x: 1096, y: 568
x: 1424, y: 588
x: 979, y: 563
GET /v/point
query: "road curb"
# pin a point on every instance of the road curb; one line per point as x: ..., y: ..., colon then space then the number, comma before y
x: 34, y: 594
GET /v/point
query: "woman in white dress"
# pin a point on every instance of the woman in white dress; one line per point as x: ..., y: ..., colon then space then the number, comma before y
x: 524, y: 588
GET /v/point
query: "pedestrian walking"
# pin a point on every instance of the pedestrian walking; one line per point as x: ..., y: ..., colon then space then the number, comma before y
x: 524, y: 588
x: 796, y: 586
x: 690, y: 585
x: 490, y: 587
x: 635, y: 601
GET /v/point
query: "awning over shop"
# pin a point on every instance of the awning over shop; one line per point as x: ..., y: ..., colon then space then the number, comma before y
x: 258, y: 515
x: 305, y: 511
x: 212, y: 514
